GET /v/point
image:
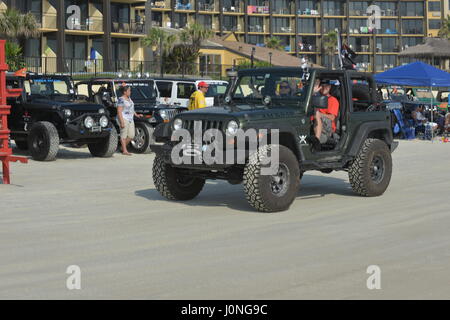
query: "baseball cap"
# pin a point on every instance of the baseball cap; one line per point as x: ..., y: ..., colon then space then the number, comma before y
x: 203, y: 84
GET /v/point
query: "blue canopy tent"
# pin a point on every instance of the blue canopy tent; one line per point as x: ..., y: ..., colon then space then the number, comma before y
x: 416, y: 74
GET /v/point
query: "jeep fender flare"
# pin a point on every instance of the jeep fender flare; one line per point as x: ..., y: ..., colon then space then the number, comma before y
x: 374, y: 129
x: 287, y: 136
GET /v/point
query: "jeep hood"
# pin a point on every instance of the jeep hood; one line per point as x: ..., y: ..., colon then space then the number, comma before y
x: 257, y: 112
x: 68, y: 105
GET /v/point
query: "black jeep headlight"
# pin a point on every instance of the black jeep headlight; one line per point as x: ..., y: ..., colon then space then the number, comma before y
x: 88, y: 122
x: 232, y: 127
x: 67, y: 113
x: 103, y: 121
x: 177, y: 124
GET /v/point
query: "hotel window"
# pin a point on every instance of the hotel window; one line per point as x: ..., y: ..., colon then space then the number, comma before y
x: 388, y: 26
x: 281, y: 7
x: 120, y: 49
x: 256, y: 39
x: 412, y: 26
x: 255, y: 24
x: 387, y: 8
x: 281, y: 25
x: 307, y: 43
x: 434, y: 24
x: 412, y: 9
x: 358, y: 26
x: 331, y: 24
x: 180, y: 20
x: 358, y: 8
x: 32, y: 48
x: 411, y: 42
x: 359, y: 44
x: 333, y: 8
x: 386, y: 44
x: 76, y: 47
x: 383, y: 62
x: 306, y: 25
x: 230, y: 23
x: 205, y: 20
x: 434, y: 6
x: 305, y: 6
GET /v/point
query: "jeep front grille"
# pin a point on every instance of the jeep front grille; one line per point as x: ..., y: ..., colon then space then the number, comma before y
x: 206, y: 124
x: 172, y: 113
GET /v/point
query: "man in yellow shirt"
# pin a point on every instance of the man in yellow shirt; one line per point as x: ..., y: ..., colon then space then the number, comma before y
x: 197, y: 99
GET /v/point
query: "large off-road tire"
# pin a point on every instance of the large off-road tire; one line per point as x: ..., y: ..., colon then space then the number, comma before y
x: 106, y: 147
x: 43, y: 141
x: 143, y: 138
x: 370, y: 172
x: 268, y: 193
x: 21, y: 144
x: 173, y: 186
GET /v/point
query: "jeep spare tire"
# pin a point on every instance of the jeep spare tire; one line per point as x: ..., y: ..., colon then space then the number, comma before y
x: 143, y: 138
x: 370, y: 172
x: 106, y: 147
x: 43, y: 141
x: 173, y: 186
x: 271, y: 193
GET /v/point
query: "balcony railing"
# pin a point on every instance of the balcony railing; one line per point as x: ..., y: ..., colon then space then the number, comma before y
x: 160, y: 4
x: 256, y: 28
x: 207, y: 7
x: 128, y: 27
x: 283, y: 29
x: 185, y: 5
x: 258, y: 9
x: 239, y: 8
x: 89, y: 24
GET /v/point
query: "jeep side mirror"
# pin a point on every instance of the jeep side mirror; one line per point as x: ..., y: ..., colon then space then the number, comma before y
x: 319, y: 101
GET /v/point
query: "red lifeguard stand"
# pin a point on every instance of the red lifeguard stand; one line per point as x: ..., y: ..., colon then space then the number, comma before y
x: 5, y: 151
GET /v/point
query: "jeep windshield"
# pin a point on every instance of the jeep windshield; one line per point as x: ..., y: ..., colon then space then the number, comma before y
x: 140, y: 90
x: 50, y: 88
x: 284, y: 87
x: 216, y: 89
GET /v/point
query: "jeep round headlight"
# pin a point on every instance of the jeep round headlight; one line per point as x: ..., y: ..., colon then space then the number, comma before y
x: 163, y: 115
x: 232, y: 127
x: 88, y: 122
x: 177, y: 124
x: 101, y: 110
x: 103, y: 121
x: 67, y: 113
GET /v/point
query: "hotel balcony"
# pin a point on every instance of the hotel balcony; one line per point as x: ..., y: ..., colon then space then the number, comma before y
x: 160, y: 5
x: 128, y: 27
x: 208, y: 6
x: 231, y: 7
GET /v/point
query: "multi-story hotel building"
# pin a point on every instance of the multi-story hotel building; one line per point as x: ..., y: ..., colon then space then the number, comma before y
x: 113, y: 29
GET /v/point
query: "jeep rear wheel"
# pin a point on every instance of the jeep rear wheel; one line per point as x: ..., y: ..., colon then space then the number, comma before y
x: 172, y: 185
x: 271, y: 193
x: 370, y: 172
x: 142, y: 139
x: 43, y: 141
x: 106, y: 147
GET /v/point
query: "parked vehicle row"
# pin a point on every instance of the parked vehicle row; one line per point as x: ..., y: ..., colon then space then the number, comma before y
x: 53, y: 110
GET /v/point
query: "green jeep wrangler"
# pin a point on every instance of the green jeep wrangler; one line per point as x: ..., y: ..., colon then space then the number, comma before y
x: 279, y: 104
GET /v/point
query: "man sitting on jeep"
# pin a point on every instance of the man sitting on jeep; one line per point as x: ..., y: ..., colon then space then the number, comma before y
x: 325, y: 119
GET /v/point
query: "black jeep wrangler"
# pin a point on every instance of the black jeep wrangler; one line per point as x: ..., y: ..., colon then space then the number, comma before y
x: 48, y: 114
x: 144, y: 95
x: 360, y: 144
